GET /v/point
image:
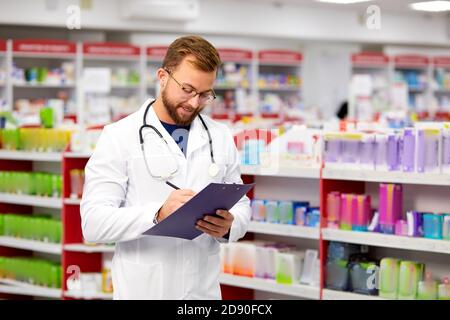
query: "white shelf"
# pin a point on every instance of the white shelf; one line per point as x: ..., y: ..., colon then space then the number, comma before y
x: 387, y: 240
x: 280, y: 88
x: 44, y: 56
x: 93, y: 58
x: 230, y: 87
x: 79, y: 247
x: 77, y: 155
x: 27, y: 200
x: 297, y: 290
x: 124, y: 86
x: 71, y: 201
x: 341, y: 295
x: 95, y: 296
x: 16, y: 287
x: 437, y: 179
x: 26, y: 244
x: 305, y: 172
x: 31, y: 156
x: 44, y: 86
x: 284, y: 230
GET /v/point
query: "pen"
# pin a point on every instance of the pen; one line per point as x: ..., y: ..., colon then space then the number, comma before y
x: 172, y: 185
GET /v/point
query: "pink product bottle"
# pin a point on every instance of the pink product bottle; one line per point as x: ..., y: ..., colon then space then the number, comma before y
x: 401, y: 228
x: 390, y: 198
x: 346, y: 211
x: 361, y: 212
x: 333, y: 209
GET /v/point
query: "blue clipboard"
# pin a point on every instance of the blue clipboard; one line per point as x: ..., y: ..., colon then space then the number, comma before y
x: 181, y: 223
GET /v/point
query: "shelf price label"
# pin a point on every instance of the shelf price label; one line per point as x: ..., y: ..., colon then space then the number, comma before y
x: 235, y: 55
x: 111, y: 49
x: 156, y: 52
x: 2, y: 45
x: 443, y: 62
x: 280, y: 56
x: 53, y: 47
x: 370, y: 59
x: 411, y: 61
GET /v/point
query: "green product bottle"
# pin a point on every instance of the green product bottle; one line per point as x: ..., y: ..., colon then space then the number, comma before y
x: 389, y: 278
x: 47, y: 117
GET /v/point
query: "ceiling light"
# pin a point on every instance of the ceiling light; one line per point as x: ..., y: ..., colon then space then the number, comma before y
x: 343, y: 1
x: 431, y: 6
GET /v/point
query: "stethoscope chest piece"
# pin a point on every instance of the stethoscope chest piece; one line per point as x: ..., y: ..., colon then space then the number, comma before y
x: 213, y: 170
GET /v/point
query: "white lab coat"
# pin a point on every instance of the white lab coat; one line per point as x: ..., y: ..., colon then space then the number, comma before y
x: 120, y: 200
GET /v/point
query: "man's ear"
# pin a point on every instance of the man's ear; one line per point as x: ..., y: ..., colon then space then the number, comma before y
x: 161, y: 74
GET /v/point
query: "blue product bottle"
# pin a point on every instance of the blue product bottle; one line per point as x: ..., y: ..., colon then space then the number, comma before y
x: 272, y: 211
x: 432, y: 225
x: 313, y: 217
x: 300, y: 210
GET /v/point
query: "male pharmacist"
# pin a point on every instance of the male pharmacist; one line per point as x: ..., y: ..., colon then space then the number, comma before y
x: 131, y: 181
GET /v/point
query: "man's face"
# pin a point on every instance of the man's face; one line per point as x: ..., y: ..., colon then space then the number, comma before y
x: 181, y: 107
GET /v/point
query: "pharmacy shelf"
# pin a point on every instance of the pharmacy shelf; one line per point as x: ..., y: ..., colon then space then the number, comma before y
x: 77, y: 155
x: 230, y: 87
x: 284, y: 230
x: 26, y: 244
x: 79, y: 247
x: 21, y: 288
x: 27, y: 200
x: 280, y: 88
x: 70, y: 201
x: 437, y: 179
x: 124, y: 86
x: 31, y: 156
x: 328, y: 294
x: 299, y: 172
x: 387, y: 241
x: 44, y: 86
x: 88, y: 296
x: 297, y: 290
x: 35, y: 55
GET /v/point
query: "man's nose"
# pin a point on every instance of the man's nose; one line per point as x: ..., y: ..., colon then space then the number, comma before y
x: 195, y: 101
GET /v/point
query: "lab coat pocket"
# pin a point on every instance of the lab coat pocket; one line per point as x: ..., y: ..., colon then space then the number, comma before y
x: 140, y: 281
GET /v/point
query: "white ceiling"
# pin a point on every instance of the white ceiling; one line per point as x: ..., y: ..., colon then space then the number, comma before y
x: 389, y: 5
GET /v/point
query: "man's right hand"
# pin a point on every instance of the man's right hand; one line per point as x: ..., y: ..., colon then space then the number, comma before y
x: 175, y: 200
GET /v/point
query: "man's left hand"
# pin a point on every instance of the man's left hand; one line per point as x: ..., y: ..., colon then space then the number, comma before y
x: 215, y: 226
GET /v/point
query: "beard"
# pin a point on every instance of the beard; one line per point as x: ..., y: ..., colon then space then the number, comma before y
x: 172, y: 110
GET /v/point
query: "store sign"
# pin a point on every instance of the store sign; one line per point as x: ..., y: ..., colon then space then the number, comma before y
x: 370, y: 59
x: 110, y: 49
x: 2, y: 45
x: 235, y: 55
x: 158, y: 52
x: 280, y: 56
x: 442, y: 62
x: 44, y: 46
x: 411, y: 61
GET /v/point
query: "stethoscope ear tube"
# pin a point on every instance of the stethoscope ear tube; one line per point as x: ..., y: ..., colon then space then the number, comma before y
x: 213, y: 169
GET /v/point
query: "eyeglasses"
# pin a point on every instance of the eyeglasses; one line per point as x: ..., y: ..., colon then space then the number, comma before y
x: 189, y: 92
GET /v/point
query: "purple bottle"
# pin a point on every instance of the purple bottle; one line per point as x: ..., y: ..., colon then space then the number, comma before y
x: 393, y: 152
x: 332, y: 150
x: 367, y: 149
x: 409, y: 149
x: 446, y: 150
x: 427, y: 150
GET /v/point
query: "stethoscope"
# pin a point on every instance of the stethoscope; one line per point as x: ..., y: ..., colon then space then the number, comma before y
x: 213, y: 169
